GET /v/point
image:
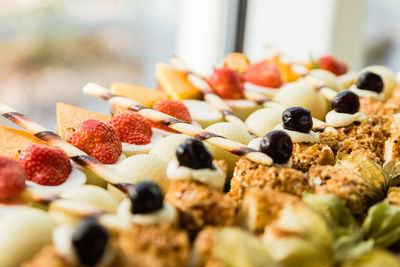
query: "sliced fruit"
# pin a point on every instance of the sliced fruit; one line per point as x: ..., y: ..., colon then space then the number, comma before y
x: 236, y: 61
x: 242, y: 108
x: 12, y: 178
x: 166, y: 148
x: 175, y: 83
x: 232, y: 132
x: 327, y: 78
x: 144, y: 96
x: 69, y: 117
x: 263, y: 73
x: 87, y: 194
x: 331, y: 64
x: 203, y: 113
x: 301, y: 93
x: 286, y: 70
x: 22, y: 234
x: 174, y: 108
x: 226, y: 83
x: 264, y: 120
x: 14, y: 141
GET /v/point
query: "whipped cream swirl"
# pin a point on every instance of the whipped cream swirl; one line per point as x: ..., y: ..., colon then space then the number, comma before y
x: 367, y: 93
x: 299, y: 137
x: 337, y: 119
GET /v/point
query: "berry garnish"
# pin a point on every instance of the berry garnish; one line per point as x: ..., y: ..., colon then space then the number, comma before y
x: 278, y: 145
x: 174, y: 108
x: 90, y: 242
x: 97, y: 139
x: 370, y: 81
x: 346, y: 102
x: 331, y: 64
x: 12, y: 178
x: 45, y: 165
x: 297, y: 119
x: 146, y: 197
x: 263, y: 73
x: 226, y: 83
x: 131, y: 128
x: 193, y: 154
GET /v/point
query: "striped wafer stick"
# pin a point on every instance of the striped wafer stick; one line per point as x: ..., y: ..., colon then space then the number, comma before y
x: 318, y: 125
x: 179, y: 125
x: 75, y: 154
x: 209, y: 96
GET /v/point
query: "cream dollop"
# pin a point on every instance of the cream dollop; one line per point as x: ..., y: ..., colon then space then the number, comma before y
x: 214, y: 178
x: 76, y: 178
x: 299, y: 137
x: 166, y: 215
x: 62, y: 240
x: 126, y: 147
x: 337, y: 119
x: 367, y: 93
x: 255, y: 144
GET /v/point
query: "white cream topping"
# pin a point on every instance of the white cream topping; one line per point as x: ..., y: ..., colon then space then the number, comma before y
x: 62, y: 240
x: 132, y: 147
x: 255, y: 144
x: 214, y: 178
x: 367, y: 93
x: 166, y: 215
x: 337, y: 119
x: 76, y: 178
x: 299, y: 137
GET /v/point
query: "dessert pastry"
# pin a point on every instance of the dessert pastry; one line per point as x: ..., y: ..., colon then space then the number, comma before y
x: 196, y: 185
x: 352, y: 131
x: 307, y: 149
x: 73, y: 246
x: 278, y: 145
x: 152, y: 239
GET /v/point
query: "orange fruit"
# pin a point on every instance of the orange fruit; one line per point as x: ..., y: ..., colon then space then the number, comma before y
x: 69, y: 117
x: 13, y: 141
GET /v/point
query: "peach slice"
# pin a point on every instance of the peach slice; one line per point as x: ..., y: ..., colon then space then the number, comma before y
x: 236, y: 61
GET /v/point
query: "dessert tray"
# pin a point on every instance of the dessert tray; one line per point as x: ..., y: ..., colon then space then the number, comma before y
x: 269, y: 163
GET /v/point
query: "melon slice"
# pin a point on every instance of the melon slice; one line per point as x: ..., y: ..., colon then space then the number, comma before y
x: 144, y: 96
x: 14, y: 141
x: 176, y: 83
x: 69, y: 117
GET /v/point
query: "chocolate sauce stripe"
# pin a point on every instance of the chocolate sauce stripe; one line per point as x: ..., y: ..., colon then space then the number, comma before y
x: 171, y: 121
x: 138, y: 107
x: 14, y: 116
x: 240, y: 151
x: 47, y: 136
x: 85, y: 160
x: 206, y: 135
x: 227, y: 112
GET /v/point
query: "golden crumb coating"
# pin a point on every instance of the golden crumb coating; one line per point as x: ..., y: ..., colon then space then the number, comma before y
x: 351, y: 189
x: 392, y: 147
x: 305, y: 155
x: 149, y: 245
x: 367, y: 139
x: 203, y: 246
x: 248, y: 174
x: 199, y: 205
x: 261, y: 206
x: 48, y: 257
x: 372, y: 107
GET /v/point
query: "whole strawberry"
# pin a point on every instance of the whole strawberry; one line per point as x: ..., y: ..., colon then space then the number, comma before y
x: 174, y: 108
x: 12, y: 178
x: 263, y: 73
x: 331, y: 64
x: 226, y: 83
x: 97, y: 139
x: 131, y: 128
x: 45, y: 165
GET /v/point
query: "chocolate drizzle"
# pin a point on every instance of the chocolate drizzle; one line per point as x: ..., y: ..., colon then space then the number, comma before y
x: 171, y: 121
x: 240, y: 151
x: 84, y: 160
x: 226, y: 112
x: 14, y: 116
x: 138, y: 107
x: 107, y: 96
x: 47, y: 136
x: 206, y: 135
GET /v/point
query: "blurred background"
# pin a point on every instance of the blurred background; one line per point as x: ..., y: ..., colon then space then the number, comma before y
x: 50, y: 49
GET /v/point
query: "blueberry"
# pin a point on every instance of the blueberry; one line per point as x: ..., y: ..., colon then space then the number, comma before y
x: 90, y: 241
x: 146, y: 197
x: 193, y: 154
x: 346, y: 102
x: 370, y: 81
x: 297, y: 119
x: 278, y: 145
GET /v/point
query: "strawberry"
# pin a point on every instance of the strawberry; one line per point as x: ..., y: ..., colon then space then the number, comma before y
x: 45, y: 165
x: 331, y: 64
x: 174, y: 108
x: 12, y: 178
x: 263, y: 73
x: 226, y: 83
x: 97, y: 139
x: 131, y: 128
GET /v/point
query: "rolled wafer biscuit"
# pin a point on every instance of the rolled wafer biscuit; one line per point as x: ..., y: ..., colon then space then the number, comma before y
x: 209, y: 96
x: 179, y: 125
x: 75, y: 154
